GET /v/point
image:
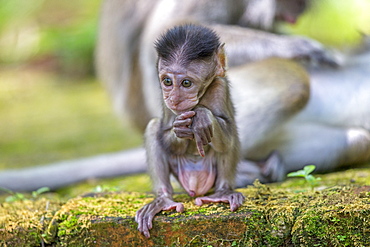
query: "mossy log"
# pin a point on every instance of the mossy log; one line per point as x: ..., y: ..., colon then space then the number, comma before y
x: 289, y: 214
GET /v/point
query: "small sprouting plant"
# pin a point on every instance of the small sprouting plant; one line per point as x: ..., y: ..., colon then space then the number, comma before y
x: 38, y: 192
x: 306, y: 173
x: 104, y: 188
x: 16, y: 196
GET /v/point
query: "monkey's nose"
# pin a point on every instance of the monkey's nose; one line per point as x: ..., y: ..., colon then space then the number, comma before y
x: 174, y: 102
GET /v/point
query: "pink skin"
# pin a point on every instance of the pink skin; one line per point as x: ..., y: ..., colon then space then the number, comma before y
x: 189, y: 179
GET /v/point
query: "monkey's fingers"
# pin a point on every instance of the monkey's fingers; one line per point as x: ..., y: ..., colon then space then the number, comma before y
x: 186, y: 115
x: 183, y: 132
x: 200, y: 147
x: 235, y: 199
x: 144, y: 218
x: 176, y: 205
x: 182, y: 122
x: 208, y: 134
x: 206, y: 199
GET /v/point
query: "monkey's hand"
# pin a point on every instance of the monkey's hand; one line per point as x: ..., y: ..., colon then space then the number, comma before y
x: 202, y: 128
x: 235, y: 199
x: 144, y: 216
x: 181, y: 125
x: 312, y: 51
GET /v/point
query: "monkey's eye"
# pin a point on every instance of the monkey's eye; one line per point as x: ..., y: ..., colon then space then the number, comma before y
x: 186, y: 83
x: 167, y: 81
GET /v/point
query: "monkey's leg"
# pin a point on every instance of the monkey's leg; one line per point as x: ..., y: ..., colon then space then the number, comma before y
x: 327, y: 147
x: 159, y: 169
x: 267, y: 94
x: 268, y: 170
x: 299, y: 144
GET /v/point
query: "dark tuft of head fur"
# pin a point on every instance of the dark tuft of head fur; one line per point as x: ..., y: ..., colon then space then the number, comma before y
x: 186, y: 43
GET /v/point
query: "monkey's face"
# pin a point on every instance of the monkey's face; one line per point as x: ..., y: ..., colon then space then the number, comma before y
x: 182, y: 86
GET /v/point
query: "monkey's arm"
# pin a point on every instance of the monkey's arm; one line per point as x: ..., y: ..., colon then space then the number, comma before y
x: 211, y: 129
x: 160, y: 173
x: 245, y: 45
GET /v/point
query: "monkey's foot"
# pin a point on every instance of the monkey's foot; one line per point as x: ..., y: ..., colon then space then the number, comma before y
x: 235, y: 199
x: 144, y: 216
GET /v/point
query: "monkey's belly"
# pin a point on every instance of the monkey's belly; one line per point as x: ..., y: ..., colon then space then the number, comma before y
x: 196, y: 174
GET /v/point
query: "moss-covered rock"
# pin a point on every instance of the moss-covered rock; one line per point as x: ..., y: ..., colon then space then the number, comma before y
x: 287, y: 214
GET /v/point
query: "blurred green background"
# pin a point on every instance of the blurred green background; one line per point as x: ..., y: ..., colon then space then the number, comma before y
x: 51, y: 105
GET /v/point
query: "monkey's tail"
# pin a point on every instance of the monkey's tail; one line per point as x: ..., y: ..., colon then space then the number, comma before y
x: 64, y: 173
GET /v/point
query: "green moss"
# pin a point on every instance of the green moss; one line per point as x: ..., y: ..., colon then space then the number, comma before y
x: 321, y: 22
x: 272, y: 215
x: 27, y: 223
x: 341, y: 220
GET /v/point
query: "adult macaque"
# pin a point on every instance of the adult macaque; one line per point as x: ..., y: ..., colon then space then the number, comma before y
x: 196, y: 139
x: 330, y: 131
x: 128, y: 29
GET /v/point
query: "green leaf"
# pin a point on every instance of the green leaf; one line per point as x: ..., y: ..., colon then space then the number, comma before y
x: 43, y: 190
x: 40, y: 191
x: 308, y: 169
x: 310, y: 178
x: 299, y: 173
x: 11, y: 199
x: 15, y: 197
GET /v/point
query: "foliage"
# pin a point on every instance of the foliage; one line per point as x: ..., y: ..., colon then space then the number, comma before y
x: 16, y: 196
x: 50, y: 32
x: 64, y: 33
x: 334, y: 22
x: 45, y: 118
x: 306, y: 173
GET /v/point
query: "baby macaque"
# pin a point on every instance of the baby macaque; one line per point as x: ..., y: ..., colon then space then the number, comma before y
x: 196, y: 138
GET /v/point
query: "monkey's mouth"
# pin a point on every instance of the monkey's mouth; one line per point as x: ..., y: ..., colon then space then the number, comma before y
x: 182, y: 105
x: 287, y: 18
x: 178, y: 110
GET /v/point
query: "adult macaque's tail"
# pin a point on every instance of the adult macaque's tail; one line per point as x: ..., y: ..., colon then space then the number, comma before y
x: 64, y: 173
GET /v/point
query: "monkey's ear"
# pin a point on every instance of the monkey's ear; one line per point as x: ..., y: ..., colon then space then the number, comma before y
x: 221, y: 61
